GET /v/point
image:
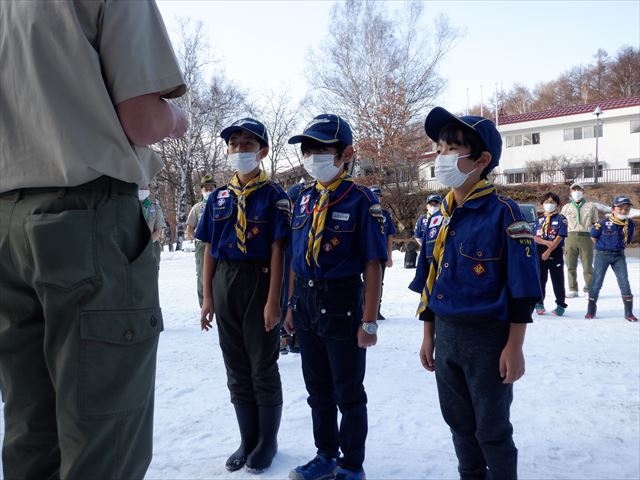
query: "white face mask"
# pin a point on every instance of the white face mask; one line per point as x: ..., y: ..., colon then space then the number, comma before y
x: 205, y: 195
x: 321, y: 167
x: 577, y: 195
x: 447, y: 172
x: 621, y: 216
x: 143, y: 194
x: 549, y: 207
x: 243, y: 162
x: 432, y: 209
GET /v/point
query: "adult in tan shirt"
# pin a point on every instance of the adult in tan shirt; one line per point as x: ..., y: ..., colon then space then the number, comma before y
x: 581, y: 215
x: 83, y: 90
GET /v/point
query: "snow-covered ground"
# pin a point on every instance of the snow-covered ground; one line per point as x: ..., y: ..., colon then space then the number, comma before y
x: 576, y: 412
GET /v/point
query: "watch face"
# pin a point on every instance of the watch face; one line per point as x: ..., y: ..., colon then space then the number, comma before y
x: 370, y: 327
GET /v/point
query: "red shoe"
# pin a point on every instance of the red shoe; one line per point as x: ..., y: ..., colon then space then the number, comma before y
x: 631, y: 318
x: 589, y: 316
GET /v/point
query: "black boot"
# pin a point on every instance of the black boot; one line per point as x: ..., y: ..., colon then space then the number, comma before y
x: 628, y: 308
x: 247, y: 416
x: 591, y: 309
x: 269, y: 424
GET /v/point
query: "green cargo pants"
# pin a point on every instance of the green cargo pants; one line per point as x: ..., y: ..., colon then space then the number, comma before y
x: 79, y: 326
x: 576, y: 245
x: 199, y: 264
x: 250, y: 353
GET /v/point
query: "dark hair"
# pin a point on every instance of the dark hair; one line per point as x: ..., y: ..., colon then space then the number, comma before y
x: 454, y: 134
x: 310, y: 144
x: 550, y: 195
x: 255, y: 137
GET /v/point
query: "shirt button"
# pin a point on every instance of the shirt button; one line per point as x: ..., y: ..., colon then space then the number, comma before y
x: 230, y: 245
x: 479, y: 253
x: 128, y: 335
x: 348, y: 313
x: 452, y: 233
x: 446, y: 265
x: 310, y: 283
x: 440, y: 296
x: 323, y: 310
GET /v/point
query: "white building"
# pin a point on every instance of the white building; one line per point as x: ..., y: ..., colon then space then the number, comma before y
x: 559, y: 145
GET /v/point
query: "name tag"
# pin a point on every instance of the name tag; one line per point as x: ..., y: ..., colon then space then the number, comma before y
x: 340, y: 216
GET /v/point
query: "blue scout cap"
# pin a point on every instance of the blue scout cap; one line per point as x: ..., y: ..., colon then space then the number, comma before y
x: 250, y: 125
x: 326, y: 128
x: 375, y: 189
x: 434, y: 197
x: 621, y: 200
x: 485, y: 128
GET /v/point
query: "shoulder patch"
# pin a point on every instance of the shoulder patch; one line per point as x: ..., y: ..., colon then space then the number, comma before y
x: 435, y: 221
x: 223, y: 193
x: 520, y: 229
x: 283, y: 204
x: 376, y: 211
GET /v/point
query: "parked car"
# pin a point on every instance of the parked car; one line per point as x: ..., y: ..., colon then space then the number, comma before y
x: 530, y: 213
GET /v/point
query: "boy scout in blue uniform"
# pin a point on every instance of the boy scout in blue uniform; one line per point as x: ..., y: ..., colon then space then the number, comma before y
x: 244, y: 225
x: 427, y: 241
x: 433, y: 205
x: 389, y: 232
x: 337, y: 235
x: 480, y: 292
x: 549, y: 235
x: 610, y: 236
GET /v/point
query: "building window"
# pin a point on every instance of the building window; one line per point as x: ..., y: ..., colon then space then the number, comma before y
x: 635, y: 125
x: 524, y: 139
x: 634, y: 164
x: 578, y: 133
x: 516, y: 177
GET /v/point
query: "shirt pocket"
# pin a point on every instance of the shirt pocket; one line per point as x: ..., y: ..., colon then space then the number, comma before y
x: 482, y: 261
x: 299, y: 221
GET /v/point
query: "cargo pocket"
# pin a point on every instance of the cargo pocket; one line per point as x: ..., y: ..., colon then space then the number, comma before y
x: 117, y: 360
x: 63, y: 247
x: 339, y: 315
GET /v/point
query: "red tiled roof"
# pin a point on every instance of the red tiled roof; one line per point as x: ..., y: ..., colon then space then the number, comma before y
x: 571, y: 110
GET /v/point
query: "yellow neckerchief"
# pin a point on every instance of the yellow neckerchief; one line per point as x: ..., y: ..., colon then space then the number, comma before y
x: 622, y: 223
x: 242, y: 193
x: 547, y: 221
x: 480, y: 189
x: 320, y: 215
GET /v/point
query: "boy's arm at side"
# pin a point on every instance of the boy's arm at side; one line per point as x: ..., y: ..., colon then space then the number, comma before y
x: 208, y: 271
x: 512, y: 356
x: 272, y: 307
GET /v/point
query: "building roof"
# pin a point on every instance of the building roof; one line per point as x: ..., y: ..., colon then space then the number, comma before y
x: 570, y: 110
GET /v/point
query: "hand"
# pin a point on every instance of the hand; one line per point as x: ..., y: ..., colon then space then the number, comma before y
x: 511, y: 364
x: 545, y: 255
x: 288, y: 322
x: 206, y: 314
x: 365, y: 340
x: 426, y: 354
x: 271, y: 315
x: 389, y: 263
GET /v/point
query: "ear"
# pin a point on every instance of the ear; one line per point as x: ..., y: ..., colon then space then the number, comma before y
x: 348, y: 154
x: 484, y: 159
x: 263, y: 152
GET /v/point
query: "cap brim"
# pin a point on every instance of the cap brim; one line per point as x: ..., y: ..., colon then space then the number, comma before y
x: 438, y: 118
x: 318, y: 137
x: 227, y: 132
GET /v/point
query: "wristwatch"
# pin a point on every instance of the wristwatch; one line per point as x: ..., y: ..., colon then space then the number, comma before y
x: 370, y: 327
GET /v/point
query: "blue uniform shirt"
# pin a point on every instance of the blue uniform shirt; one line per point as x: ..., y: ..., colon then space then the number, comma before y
x: 389, y: 226
x: 609, y: 236
x: 267, y: 221
x: 426, y: 252
x: 421, y: 225
x: 558, y: 227
x: 353, y: 232
x: 490, y: 266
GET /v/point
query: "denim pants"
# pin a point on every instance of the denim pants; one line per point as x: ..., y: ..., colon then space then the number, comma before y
x: 473, y: 400
x: 618, y: 263
x: 327, y: 315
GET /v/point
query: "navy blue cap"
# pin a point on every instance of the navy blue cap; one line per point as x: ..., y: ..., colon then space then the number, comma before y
x: 326, y: 128
x: 434, y: 197
x: 621, y: 200
x: 485, y: 128
x: 250, y: 125
x: 375, y: 189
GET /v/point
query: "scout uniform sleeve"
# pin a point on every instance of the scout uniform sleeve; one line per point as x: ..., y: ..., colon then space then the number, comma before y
x: 192, y: 219
x: 563, y: 229
x: 372, y: 240
x: 281, y: 219
x: 204, y: 229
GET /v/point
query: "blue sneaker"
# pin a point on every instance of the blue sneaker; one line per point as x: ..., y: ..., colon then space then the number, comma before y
x: 344, y: 474
x: 320, y: 468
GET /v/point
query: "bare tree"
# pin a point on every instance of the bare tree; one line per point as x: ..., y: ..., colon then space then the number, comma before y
x: 380, y: 71
x: 624, y: 76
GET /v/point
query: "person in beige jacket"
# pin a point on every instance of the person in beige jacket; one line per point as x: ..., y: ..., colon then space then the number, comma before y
x: 581, y: 215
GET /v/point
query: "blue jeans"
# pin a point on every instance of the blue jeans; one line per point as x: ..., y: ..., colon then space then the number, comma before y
x: 327, y: 316
x: 473, y: 400
x: 618, y: 263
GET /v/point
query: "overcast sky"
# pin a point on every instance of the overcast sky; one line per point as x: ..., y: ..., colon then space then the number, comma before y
x: 263, y: 44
